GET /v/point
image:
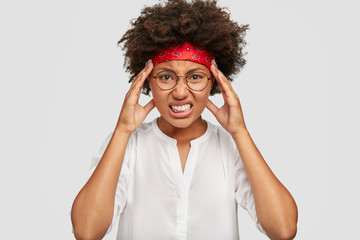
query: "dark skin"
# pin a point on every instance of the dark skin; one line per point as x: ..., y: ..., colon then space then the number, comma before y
x: 185, y: 128
x: 93, y: 207
x: 275, y: 207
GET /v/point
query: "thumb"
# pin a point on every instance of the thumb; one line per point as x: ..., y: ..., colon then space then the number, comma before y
x: 212, y: 107
x: 149, y: 106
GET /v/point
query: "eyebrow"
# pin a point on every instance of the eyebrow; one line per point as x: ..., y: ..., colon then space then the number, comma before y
x: 171, y: 70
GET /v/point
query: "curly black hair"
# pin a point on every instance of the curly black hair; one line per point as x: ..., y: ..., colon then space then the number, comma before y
x: 173, y: 22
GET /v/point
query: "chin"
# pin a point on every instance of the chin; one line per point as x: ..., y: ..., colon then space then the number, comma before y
x: 179, y: 122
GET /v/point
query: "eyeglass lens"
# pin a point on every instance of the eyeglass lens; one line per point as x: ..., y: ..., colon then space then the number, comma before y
x: 197, y: 81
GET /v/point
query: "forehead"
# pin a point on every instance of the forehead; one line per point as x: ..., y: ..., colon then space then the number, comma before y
x: 180, y: 66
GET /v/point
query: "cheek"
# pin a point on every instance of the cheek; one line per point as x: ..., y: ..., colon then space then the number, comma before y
x: 157, y: 94
x: 159, y: 100
x: 201, y: 101
x: 204, y: 96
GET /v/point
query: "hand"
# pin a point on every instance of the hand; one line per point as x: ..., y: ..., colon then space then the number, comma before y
x: 230, y: 114
x: 132, y: 113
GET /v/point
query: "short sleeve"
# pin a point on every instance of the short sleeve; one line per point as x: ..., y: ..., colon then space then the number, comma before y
x: 121, y: 189
x: 244, y: 196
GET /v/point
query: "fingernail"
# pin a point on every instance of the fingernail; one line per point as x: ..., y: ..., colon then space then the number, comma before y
x: 214, y: 62
x: 148, y: 62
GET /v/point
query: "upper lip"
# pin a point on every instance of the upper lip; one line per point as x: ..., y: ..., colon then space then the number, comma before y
x: 180, y: 103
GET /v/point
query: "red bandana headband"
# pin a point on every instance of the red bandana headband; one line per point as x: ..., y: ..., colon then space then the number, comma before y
x: 185, y: 51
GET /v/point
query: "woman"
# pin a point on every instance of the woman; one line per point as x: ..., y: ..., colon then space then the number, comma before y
x: 180, y: 177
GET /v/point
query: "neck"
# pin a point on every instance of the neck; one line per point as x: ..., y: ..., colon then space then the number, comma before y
x: 195, y: 130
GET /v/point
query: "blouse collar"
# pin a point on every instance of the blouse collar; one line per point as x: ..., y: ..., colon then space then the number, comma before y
x: 166, y: 138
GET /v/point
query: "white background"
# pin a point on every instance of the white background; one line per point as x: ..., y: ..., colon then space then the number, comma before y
x: 63, y: 83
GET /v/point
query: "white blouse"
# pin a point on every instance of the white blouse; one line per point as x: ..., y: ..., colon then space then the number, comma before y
x: 156, y: 200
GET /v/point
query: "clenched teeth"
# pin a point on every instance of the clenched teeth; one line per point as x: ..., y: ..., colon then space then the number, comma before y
x: 183, y: 108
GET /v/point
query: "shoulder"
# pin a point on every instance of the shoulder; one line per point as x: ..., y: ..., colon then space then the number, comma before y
x: 144, y: 133
x: 225, y: 145
x: 224, y: 138
x: 220, y: 133
x: 145, y: 128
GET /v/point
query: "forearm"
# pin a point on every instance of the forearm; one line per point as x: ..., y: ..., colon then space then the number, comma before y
x: 93, y: 207
x: 275, y: 207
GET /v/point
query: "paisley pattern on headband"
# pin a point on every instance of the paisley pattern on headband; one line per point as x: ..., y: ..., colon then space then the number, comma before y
x: 185, y: 51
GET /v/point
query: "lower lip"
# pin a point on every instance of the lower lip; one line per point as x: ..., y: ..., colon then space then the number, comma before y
x: 180, y: 114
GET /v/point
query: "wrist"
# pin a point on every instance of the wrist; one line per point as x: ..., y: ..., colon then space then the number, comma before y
x: 122, y: 131
x: 240, y: 133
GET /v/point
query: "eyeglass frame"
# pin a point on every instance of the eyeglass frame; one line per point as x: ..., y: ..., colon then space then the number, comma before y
x: 177, y: 80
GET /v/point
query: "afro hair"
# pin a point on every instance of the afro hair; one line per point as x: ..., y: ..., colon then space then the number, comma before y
x: 173, y: 22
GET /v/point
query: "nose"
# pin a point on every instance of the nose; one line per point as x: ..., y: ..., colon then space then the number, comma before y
x: 181, y: 89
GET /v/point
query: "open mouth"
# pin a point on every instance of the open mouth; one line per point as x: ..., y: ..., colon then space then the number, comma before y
x: 182, y: 108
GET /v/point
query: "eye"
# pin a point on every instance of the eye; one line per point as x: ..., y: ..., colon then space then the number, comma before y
x: 195, y: 77
x: 166, y: 77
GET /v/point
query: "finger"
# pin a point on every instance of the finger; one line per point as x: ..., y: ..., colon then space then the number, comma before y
x: 149, y: 106
x: 228, y: 93
x: 217, y: 72
x: 139, y: 75
x: 212, y: 107
x: 222, y: 81
x: 134, y: 92
x: 140, y: 81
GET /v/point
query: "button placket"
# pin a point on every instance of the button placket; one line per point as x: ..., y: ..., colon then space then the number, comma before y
x: 182, y: 201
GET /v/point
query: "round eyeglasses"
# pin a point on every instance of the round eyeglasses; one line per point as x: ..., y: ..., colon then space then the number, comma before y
x: 196, y: 81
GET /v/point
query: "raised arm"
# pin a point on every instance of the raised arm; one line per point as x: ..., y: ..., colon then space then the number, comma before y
x: 275, y: 207
x: 93, y: 207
